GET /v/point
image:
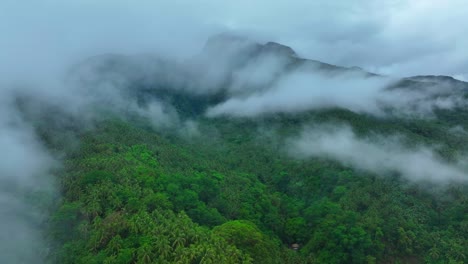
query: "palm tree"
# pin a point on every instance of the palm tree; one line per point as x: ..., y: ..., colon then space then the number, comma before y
x: 163, y: 247
x: 144, y: 254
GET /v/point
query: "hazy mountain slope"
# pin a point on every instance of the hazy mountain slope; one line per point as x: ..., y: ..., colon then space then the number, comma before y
x: 237, y: 69
x: 241, y: 151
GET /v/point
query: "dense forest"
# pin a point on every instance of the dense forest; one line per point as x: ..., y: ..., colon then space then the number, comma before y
x: 225, y: 189
x: 133, y: 195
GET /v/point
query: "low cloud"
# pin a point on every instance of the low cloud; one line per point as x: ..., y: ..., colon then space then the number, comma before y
x: 25, y: 172
x: 376, y: 154
x: 308, y: 90
x: 42, y: 38
x: 311, y: 88
x: 62, y: 105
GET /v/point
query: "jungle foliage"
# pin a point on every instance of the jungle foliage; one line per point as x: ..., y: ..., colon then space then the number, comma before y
x: 133, y: 194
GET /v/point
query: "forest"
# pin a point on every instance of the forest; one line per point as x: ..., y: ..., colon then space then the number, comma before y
x: 132, y: 195
x: 226, y: 132
x: 245, y: 154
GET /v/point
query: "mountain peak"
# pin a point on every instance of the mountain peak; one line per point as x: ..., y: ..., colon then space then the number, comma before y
x: 279, y: 49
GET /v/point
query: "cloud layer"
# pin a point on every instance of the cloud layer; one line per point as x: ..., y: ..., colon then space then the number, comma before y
x: 41, y: 39
x: 303, y: 91
x: 398, y: 37
x: 25, y: 172
x: 375, y: 154
x: 273, y: 88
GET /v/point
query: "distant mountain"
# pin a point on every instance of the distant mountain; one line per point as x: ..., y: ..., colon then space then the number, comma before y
x: 371, y: 170
x: 227, y: 65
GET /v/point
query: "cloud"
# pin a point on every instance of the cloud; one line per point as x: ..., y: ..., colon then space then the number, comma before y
x: 398, y: 37
x: 376, y: 154
x: 311, y: 88
x: 37, y: 92
x: 25, y: 172
x: 41, y: 39
x: 302, y: 91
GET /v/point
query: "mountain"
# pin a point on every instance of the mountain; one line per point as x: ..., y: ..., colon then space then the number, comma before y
x: 247, y: 153
x: 228, y: 67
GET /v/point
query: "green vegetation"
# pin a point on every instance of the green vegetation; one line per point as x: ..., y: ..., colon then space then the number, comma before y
x: 134, y: 195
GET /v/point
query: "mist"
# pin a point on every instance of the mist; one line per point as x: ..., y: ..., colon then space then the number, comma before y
x: 268, y: 90
x: 26, y: 185
x: 303, y: 91
x: 47, y: 63
x: 376, y: 154
x: 401, y: 37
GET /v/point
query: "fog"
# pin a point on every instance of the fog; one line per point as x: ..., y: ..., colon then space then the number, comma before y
x: 397, y: 37
x: 26, y: 183
x: 376, y: 154
x: 44, y: 55
x: 303, y: 91
x: 268, y: 85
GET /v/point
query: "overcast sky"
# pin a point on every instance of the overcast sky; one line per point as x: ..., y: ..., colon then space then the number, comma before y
x: 395, y: 37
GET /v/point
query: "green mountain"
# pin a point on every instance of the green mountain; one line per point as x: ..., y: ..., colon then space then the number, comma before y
x: 150, y: 176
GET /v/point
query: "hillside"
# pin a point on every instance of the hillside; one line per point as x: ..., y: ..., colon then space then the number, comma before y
x: 247, y: 153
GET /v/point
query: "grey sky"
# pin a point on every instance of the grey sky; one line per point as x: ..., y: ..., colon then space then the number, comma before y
x: 393, y: 37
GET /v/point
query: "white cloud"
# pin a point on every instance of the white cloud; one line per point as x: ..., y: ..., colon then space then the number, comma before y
x: 25, y: 169
x: 40, y: 39
x: 310, y: 88
x: 399, y: 37
x: 302, y: 91
x: 376, y: 154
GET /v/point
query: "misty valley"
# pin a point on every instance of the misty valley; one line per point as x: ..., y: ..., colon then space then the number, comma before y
x: 243, y: 153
